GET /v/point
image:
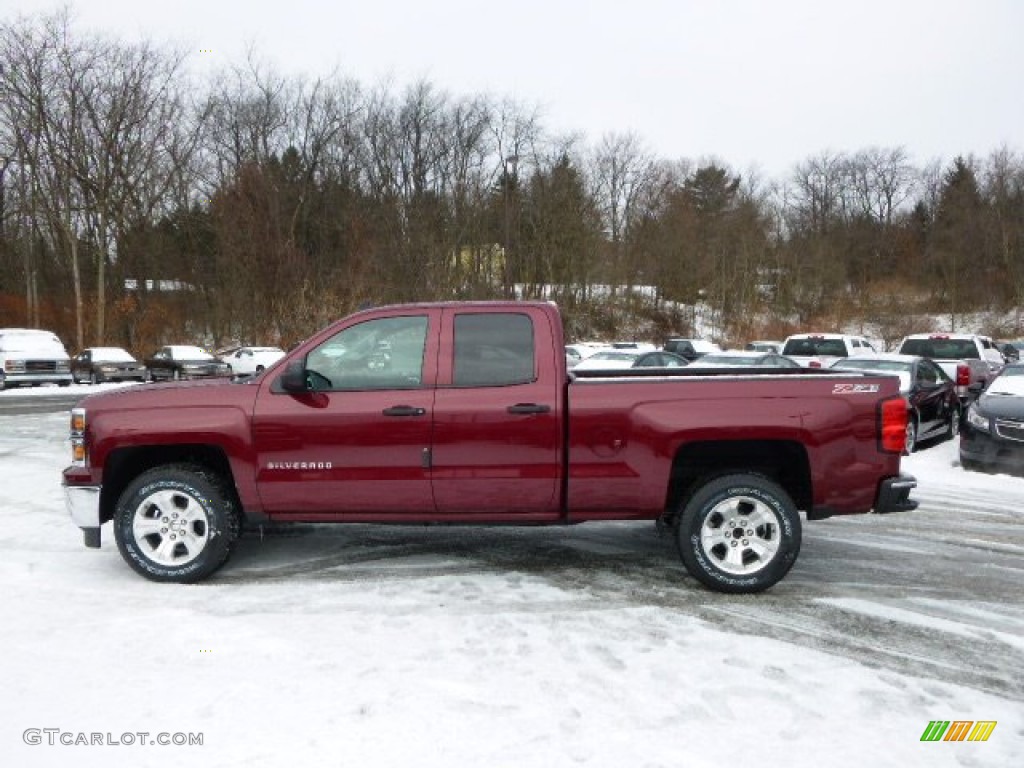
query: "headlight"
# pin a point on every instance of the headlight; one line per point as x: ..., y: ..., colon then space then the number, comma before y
x: 976, y: 420
x: 108, y: 368
x: 63, y: 366
x: 78, y: 452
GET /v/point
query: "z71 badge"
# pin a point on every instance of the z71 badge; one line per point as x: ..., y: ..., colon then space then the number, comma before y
x: 854, y: 389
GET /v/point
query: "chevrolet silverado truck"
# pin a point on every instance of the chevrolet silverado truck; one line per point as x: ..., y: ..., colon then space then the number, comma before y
x: 465, y: 413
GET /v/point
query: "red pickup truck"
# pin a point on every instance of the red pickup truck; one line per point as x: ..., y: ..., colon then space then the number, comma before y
x: 465, y: 413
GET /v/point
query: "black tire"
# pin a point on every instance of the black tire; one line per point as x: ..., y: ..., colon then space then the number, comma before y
x: 970, y: 465
x: 910, y: 442
x: 953, y: 428
x: 722, y: 554
x: 165, y: 509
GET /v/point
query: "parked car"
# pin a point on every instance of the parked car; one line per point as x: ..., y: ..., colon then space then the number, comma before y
x: 735, y: 358
x: 184, y: 362
x: 576, y: 353
x: 31, y: 356
x: 993, y: 431
x: 642, y: 346
x: 763, y: 346
x: 1009, y: 350
x: 931, y: 394
x: 659, y: 358
x: 972, y: 361
x: 248, y: 360
x: 609, y: 359
x: 691, y: 349
x: 820, y: 350
x: 98, y: 364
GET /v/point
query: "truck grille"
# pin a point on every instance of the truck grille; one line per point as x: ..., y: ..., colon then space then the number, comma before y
x: 40, y: 366
x: 1011, y: 430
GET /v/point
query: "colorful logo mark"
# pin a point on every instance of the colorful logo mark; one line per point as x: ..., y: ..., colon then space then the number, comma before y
x: 958, y: 730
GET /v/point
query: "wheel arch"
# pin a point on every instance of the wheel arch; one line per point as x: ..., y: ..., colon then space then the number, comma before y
x: 125, y: 464
x: 783, y: 461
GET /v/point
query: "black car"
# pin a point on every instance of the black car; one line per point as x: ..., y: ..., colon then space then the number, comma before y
x: 993, y: 432
x: 184, y: 362
x: 691, y: 349
x: 99, y: 364
x: 931, y: 394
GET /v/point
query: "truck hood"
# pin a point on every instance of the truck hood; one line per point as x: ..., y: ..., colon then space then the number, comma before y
x: 237, y: 392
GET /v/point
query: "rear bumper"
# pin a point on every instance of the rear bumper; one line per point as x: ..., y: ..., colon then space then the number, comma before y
x: 894, y: 494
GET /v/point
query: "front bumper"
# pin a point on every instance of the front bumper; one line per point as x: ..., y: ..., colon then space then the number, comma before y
x: 17, y: 379
x: 83, y: 503
x: 982, y: 449
x: 894, y: 494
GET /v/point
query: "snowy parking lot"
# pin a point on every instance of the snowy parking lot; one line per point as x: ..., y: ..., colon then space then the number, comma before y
x: 446, y: 646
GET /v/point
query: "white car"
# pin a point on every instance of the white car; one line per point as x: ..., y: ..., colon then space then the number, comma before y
x: 246, y: 360
x: 609, y: 359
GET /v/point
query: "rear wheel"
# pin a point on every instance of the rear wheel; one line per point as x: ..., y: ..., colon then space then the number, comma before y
x: 910, y: 442
x: 176, y: 523
x: 739, y: 533
x: 953, y: 428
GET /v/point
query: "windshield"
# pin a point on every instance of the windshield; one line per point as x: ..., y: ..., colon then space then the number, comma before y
x: 190, y: 353
x: 811, y: 347
x: 111, y: 355
x: 941, y: 349
x: 31, y: 342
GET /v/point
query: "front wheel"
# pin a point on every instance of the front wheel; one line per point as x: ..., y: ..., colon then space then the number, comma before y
x: 739, y: 533
x: 176, y: 523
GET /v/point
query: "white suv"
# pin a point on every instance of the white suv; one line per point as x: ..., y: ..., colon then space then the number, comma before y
x: 820, y: 350
x: 29, y: 356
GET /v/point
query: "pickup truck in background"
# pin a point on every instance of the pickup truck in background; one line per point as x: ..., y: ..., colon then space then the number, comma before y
x: 465, y: 413
x: 822, y: 350
x: 970, y: 360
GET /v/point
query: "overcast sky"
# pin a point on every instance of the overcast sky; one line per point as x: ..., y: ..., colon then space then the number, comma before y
x: 753, y: 83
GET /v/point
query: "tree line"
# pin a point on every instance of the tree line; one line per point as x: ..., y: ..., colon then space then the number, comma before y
x: 139, y: 206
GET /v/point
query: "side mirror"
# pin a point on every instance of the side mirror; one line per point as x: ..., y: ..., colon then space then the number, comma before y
x: 294, y: 377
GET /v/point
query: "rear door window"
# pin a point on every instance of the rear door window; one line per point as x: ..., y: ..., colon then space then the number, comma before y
x: 493, y: 349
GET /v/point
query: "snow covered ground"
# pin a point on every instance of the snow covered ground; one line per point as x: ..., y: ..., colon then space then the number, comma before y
x: 371, y: 646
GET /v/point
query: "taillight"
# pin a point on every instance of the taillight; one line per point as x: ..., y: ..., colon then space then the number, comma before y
x: 963, y: 375
x: 814, y: 364
x: 892, y: 427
